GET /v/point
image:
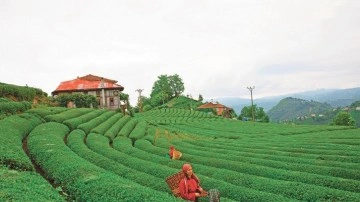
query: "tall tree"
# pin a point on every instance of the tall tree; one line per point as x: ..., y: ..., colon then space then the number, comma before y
x: 259, y: 113
x: 176, y: 85
x: 166, y: 88
x: 200, y: 98
x: 161, y: 86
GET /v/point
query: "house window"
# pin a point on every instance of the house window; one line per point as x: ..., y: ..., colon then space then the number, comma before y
x: 111, y: 101
x: 98, y: 93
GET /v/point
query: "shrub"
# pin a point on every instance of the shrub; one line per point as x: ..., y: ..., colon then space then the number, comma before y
x: 343, y: 119
x: 80, y: 100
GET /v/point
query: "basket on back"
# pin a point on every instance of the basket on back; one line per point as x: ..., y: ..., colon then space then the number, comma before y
x: 173, y: 182
x: 176, y: 155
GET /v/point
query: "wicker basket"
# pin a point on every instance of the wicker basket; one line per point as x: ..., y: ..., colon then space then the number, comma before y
x: 176, y: 155
x: 173, y: 182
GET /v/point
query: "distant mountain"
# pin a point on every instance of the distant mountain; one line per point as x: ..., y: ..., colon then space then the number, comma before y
x: 334, y: 97
x: 291, y: 109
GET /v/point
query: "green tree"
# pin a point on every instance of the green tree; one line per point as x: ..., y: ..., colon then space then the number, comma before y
x: 124, y: 96
x: 146, y: 102
x: 343, y: 119
x: 259, y: 113
x: 200, y: 98
x: 176, y: 85
x: 158, y: 99
x: 162, y: 85
x: 166, y: 88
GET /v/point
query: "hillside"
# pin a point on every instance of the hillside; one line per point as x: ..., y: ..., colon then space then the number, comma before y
x: 20, y: 93
x: 17, y: 99
x: 334, y: 97
x: 305, y: 112
x: 181, y: 102
x: 355, y: 114
x: 290, y: 109
x: 100, y: 155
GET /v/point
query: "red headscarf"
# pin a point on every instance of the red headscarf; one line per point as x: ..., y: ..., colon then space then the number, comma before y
x: 185, y: 168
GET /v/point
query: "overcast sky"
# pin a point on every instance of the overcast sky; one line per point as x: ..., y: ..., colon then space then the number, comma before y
x: 219, y: 48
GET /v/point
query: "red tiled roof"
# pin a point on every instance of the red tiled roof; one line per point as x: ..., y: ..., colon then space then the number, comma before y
x: 211, y: 105
x: 219, y: 107
x: 91, y: 77
x: 89, y: 82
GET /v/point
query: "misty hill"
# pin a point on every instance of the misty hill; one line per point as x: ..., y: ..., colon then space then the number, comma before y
x: 294, y: 108
x: 334, y: 97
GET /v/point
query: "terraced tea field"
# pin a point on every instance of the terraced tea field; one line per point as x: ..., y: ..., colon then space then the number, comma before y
x: 60, y: 154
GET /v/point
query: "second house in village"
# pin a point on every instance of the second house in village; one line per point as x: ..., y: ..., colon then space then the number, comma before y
x: 106, y: 91
x: 221, y: 110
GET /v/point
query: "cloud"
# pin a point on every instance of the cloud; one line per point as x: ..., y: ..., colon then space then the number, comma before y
x: 218, y: 48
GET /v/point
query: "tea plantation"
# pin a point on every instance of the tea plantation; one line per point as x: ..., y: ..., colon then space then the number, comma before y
x: 61, y: 154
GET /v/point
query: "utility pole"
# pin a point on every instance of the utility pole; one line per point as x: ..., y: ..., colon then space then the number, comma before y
x: 139, y: 99
x: 252, y: 103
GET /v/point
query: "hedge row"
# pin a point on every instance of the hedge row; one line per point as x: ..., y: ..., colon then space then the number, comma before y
x: 324, y: 178
x: 234, y: 173
x: 176, y: 115
x: 45, y: 111
x: 104, y: 156
x: 75, y: 122
x: 106, y: 125
x: 323, y: 140
x: 245, y: 129
x: 87, y: 126
x: 114, y: 130
x: 150, y: 133
x: 175, y: 120
x: 279, y: 152
x: 348, y: 154
x: 241, y: 150
x: 25, y: 186
x: 139, y: 131
x: 227, y: 190
x: 127, y: 128
x: 14, y: 107
x: 13, y: 131
x: 100, y: 145
x: 82, y: 180
x: 195, y: 128
x: 68, y: 114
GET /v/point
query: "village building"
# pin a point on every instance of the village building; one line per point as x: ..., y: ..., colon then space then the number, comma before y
x: 221, y: 110
x: 106, y: 91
